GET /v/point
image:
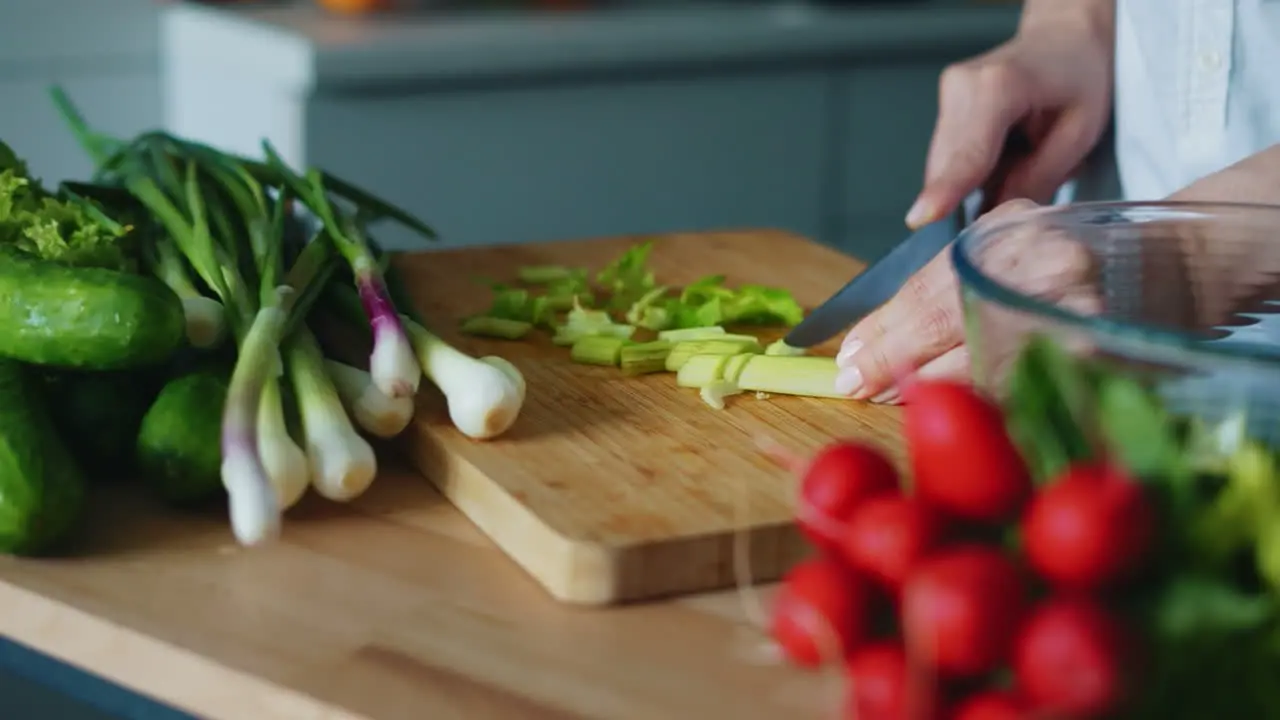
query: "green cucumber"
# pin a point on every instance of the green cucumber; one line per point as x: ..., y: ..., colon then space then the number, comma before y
x: 99, y: 413
x: 87, y: 318
x: 178, y: 449
x: 42, y: 490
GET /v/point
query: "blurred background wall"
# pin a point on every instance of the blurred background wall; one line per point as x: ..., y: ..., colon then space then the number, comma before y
x: 505, y: 121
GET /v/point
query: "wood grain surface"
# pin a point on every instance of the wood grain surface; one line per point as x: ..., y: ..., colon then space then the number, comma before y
x: 395, y: 607
x: 611, y: 488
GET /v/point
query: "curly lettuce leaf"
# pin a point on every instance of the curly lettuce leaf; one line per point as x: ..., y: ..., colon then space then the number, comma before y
x: 60, y: 228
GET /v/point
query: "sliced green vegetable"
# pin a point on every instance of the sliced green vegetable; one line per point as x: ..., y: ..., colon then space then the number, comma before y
x: 806, y: 375
x: 644, y: 358
x: 544, y: 274
x: 780, y: 347
x: 699, y: 333
x: 496, y: 327
x: 724, y: 345
x: 597, y: 350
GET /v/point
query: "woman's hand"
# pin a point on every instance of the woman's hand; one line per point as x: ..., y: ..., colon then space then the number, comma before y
x: 1052, y: 84
x: 922, y: 329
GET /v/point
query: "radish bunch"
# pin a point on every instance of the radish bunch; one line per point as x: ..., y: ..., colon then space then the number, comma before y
x: 919, y: 595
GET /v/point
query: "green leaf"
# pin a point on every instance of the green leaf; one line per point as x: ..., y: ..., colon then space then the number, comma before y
x: 1049, y: 408
x: 1195, y: 605
x: 1138, y: 429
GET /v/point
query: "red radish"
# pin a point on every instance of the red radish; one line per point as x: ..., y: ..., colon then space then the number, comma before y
x: 991, y: 705
x: 960, y: 609
x: 1069, y: 659
x: 820, y: 613
x: 1088, y: 528
x: 884, y: 688
x: 962, y: 459
x: 838, y: 478
x: 888, y: 535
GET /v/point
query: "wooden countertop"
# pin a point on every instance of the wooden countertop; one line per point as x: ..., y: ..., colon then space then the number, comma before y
x: 400, y: 610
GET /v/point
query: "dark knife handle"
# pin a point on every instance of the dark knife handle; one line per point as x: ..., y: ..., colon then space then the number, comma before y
x: 1016, y: 147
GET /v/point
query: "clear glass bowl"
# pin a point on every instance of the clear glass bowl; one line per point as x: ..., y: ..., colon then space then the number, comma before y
x: 1187, y: 294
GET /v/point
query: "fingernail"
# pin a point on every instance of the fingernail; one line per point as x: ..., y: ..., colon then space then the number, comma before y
x: 919, y: 214
x: 888, y: 397
x: 845, y: 356
x: 849, y: 381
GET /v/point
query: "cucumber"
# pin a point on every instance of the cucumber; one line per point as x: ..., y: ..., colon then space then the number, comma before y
x: 42, y: 489
x: 178, y: 450
x: 82, y: 317
x: 98, y: 414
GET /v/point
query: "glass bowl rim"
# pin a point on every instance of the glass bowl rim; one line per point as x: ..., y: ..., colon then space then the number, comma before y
x: 1130, y: 333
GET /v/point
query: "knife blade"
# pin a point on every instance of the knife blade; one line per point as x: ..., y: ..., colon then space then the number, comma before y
x: 877, y: 284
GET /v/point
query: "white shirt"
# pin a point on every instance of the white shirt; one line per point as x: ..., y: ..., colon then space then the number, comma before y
x: 1197, y: 89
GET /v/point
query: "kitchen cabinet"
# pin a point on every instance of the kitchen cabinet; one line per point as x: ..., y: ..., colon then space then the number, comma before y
x: 589, y: 159
x: 886, y: 115
x: 504, y: 128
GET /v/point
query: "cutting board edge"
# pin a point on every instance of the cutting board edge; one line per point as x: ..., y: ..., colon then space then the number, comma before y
x: 589, y: 574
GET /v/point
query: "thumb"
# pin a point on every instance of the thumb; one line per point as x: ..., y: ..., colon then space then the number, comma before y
x: 977, y: 104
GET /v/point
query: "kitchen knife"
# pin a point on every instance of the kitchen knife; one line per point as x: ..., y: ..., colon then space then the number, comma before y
x: 882, y: 281
x: 877, y: 284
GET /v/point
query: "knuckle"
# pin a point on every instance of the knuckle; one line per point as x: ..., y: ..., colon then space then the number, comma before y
x: 938, y: 327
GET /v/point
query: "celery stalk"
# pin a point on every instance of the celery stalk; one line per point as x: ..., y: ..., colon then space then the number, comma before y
x: 685, y: 334
x: 494, y: 327
x: 807, y: 375
x: 644, y: 358
x: 728, y: 345
x: 597, y: 350
x: 702, y: 370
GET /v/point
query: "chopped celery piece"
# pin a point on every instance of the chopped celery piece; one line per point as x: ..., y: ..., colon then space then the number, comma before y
x: 779, y: 347
x: 564, y: 292
x: 583, y: 322
x: 725, y: 345
x: 544, y: 274
x: 699, y: 333
x: 701, y: 370
x: 807, y: 375
x: 647, y: 300
x: 568, y: 335
x: 519, y: 304
x: 716, y: 391
x: 733, y: 369
x: 597, y: 350
x: 495, y: 327
x: 628, y: 277
x: 643, y: 358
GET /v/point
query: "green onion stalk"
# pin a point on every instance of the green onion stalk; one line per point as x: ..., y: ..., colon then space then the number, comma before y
x: 206, y: 318
x: 392, y: 363
x: 484, y: 395
x: 342, y: 463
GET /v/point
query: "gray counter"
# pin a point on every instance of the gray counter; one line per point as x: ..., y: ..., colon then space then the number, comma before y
x: 507, y: 127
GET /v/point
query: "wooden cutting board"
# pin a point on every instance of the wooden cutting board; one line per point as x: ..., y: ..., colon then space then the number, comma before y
x: 609, y: 488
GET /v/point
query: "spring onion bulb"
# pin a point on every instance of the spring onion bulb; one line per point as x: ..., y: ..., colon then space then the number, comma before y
x: 342, y: 463
x: 284, y: 461
x: 206, y: 318
x: 254, y: 505
x: 392, y: 364
x: 484, y: 394
x: 375, y: 412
